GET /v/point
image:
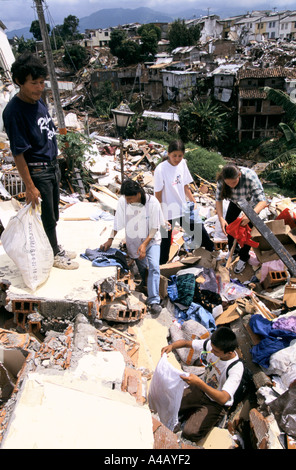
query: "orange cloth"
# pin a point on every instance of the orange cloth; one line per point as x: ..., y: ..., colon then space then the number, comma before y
x: 242, y: 234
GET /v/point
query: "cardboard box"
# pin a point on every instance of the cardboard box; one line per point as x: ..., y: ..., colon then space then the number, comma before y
x: 283, y: 233
x: 290, y: 293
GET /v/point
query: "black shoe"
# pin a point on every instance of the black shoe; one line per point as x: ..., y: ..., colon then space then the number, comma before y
x: 155, y: 309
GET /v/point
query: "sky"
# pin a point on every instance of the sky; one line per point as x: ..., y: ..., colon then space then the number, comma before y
x: 16, y: 14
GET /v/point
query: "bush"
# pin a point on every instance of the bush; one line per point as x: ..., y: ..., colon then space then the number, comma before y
x: 75, y: 57
x: 288, y: 174
x: 204, y: 163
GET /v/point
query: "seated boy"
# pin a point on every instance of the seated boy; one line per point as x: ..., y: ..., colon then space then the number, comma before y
x: 205, y: 400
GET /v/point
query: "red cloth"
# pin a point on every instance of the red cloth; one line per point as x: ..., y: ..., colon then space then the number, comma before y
x: 242, y: 234
x: 288, y: 218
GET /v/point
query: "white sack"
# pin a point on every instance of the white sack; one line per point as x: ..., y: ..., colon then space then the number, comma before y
x: 26, y: 243
x: 166, y: 391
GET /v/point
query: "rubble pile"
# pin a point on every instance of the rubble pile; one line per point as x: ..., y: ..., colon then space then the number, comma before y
x: 258, y: 304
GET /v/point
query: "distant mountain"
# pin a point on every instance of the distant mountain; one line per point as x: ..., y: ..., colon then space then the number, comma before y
x: 106, y: 18
x: 118, y: 16
x: 19, y: 33
x: 115, y: 16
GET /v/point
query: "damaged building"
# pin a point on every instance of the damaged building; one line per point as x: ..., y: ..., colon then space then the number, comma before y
x: 79, y: 352
x: 91, y: 340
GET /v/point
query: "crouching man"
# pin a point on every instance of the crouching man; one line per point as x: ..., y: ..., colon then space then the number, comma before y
x: 205, y: 401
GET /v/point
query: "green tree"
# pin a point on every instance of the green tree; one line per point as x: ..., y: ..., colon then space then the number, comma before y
x: 203, y: 122
x: 128, y: 53
x: 70, y: 28
x: 75, y: 57
x: 282, y: 168
x: 116, y: 39
x: 107, y: 99
x: 149, y: 43
x: 150, y: 27
x: 68, y: 31
x: 36, y: 31
x: 181, y: 36
x: 21, y: 45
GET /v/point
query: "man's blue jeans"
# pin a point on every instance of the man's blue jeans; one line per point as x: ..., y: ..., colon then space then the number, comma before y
x: 151, y: 261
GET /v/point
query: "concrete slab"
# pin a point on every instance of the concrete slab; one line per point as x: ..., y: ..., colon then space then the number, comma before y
x: 72, y: 285
x: 217, y: 438
x: 151, y: 333
x: 65, y: 412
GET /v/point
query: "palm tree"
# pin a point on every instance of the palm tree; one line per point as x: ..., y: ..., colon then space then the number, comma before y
x: 281, y: 165
x: 203, y: 121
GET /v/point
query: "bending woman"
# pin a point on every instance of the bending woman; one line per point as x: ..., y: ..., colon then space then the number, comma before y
x: 171, y: 188
x: 235, y: 183
x: 141, y: 217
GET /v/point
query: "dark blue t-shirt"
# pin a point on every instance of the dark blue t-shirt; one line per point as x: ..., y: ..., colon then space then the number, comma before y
x: 30, y: 130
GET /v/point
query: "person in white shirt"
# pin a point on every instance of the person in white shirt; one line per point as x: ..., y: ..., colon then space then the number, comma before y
x: 171, y: 188
x: 141, y: 216
x: 205, y: 400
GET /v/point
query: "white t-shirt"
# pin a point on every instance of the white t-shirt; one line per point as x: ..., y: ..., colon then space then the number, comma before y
x: 138, y: 221
x: 215, y: 376
x: 171, y: 181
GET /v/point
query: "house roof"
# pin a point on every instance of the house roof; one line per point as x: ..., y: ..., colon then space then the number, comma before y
x: 254, y: 93
x: 161, y: 116
x: 227, y: 69
x: 262, y: 73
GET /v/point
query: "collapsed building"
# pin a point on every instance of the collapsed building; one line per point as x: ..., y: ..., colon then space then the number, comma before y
x: 88, y: 338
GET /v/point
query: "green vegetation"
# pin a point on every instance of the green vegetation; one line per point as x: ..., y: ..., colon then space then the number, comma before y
x: 180, y: 35
x: 74, y: 146
x: 75, y: 57
x: 203, y: 162
x: 203, y: 122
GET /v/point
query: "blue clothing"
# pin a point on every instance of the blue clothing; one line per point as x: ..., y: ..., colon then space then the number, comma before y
x: 198, y: 313
x: 273, y: 339
x: 30, y: 130
x: 151, y: 261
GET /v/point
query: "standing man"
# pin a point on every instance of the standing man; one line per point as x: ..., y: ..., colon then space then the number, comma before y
x: 33, y: 144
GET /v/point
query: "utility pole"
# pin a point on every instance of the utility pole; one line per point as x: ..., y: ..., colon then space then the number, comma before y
x: 50, y: 66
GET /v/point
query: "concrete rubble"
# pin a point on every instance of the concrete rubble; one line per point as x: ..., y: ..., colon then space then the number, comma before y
x: 91, y: 339
x: 86, y: 337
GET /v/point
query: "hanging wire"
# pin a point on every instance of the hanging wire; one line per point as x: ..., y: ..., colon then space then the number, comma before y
x: 52, y: 25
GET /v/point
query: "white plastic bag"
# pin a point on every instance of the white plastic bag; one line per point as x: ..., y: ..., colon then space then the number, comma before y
x: 26, y: 243
x: 166, y: 391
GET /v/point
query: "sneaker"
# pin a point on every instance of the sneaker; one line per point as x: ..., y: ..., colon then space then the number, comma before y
x: 62, y: 262
x: 66, y: 253
x: 155, y: 309
x: 240, y: 266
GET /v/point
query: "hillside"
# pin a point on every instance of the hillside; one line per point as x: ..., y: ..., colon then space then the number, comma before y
x: 106, y: 18
x: 115, y: 16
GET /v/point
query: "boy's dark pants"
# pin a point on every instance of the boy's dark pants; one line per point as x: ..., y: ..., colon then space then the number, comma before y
x: 204, y: 413
x: 47, y: 180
